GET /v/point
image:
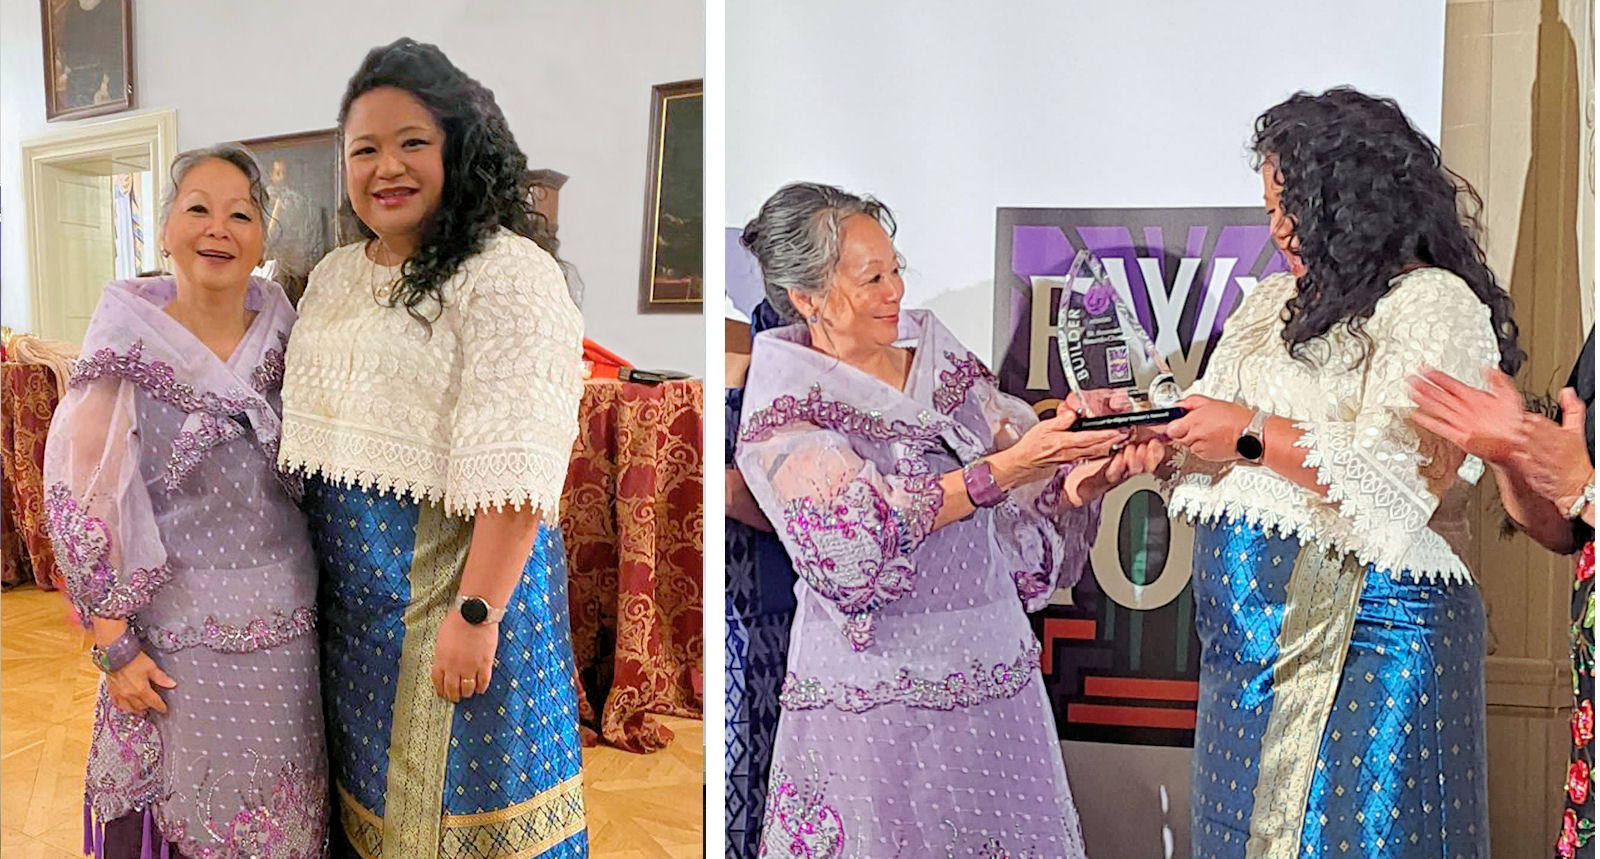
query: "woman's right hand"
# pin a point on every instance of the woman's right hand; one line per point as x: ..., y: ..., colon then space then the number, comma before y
x: 1048, y: 444
x: 135, y: 687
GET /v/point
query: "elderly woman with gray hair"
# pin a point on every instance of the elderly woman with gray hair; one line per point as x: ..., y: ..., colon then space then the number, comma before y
x: 925, y: 512
x: 183, y: 549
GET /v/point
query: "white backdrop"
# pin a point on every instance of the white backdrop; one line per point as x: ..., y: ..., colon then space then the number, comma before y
x: 953, y: 110
x: 950, y: 111
x: 572, y: 76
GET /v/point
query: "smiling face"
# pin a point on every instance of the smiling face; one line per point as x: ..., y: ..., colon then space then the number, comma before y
x: 394, y: 165
x: 862, y: 310
x: 213, y: 233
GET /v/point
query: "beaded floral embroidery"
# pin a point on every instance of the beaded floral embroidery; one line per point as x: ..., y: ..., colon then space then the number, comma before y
x: 83, y: 549
x: 955, y: 382
x: 978, y: 684
x: 798, y: 822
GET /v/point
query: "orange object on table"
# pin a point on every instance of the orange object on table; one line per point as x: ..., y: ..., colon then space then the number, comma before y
x: 601, y: 362
x: 632, y: 514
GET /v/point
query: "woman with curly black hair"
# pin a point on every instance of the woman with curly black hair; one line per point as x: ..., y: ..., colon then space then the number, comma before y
x: 1341, y: 705
x: 431, y: 400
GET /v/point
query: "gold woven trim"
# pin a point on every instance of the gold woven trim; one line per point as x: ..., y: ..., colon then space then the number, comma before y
x: 419, y: 734
x: 362, y: 828
x: 1319, y: 614
x: 524, y: 830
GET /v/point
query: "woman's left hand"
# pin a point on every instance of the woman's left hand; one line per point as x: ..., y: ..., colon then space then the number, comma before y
x: 1555, y: 458
x: 1211, y: 429
x: 463, y: 657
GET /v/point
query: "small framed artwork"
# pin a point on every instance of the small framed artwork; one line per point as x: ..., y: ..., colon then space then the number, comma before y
x: 672, y: 273
x: 88, y: 57
x: 305, y: 185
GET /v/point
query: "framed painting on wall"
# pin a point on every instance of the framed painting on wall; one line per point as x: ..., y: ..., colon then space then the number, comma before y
x: 88, y: 57
x: 672, y: 271
x: 305, y: 185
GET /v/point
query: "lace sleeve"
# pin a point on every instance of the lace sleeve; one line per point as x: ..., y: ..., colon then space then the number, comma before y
x: 97, y: 509
x: 1385, y: 474
x: 516, y: 415
x: 1044, y: 540
x: 849, y: 527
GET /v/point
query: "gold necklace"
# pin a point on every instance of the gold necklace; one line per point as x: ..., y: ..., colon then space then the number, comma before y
x: 380, y: 293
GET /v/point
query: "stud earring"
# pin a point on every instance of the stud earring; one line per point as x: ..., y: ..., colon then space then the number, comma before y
x: 813, y: 318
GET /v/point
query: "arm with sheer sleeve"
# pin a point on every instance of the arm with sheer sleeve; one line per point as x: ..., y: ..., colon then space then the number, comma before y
x: 97, y: 508
x: 849, y: 527
x: 1043, y: 537
x: 1382, y: 471
x: 516, y: 415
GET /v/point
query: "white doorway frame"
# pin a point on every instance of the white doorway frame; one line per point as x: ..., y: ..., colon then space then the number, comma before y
x: 141, y: 141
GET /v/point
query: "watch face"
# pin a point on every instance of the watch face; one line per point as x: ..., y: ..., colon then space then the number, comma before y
x: 474, y: 611
x: 1249, y: 447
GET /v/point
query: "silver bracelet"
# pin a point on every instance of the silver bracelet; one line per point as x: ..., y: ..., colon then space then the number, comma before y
x: 1585, y: 498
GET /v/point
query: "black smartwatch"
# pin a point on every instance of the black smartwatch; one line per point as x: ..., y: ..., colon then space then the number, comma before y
x: 476, y: 611
x: 1250, y: 445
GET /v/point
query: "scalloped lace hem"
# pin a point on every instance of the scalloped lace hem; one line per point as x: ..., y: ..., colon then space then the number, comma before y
x: 349, y: 457
x: 1424, y: 563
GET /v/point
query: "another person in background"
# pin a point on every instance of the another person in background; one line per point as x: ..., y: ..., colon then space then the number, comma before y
x: 182, y: 548
x: 759, y: 608
x: 1545, y: 472
x: 431, y: 400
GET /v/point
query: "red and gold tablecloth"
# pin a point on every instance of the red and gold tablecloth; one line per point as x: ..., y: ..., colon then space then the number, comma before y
x: 633, y: 517
x: 27, y: 401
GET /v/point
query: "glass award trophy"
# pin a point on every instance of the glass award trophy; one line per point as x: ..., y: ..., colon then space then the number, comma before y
x: 1110, y: 362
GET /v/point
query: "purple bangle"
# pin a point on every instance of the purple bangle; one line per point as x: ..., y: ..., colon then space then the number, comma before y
x: 981, y: 488
x: 117, y: 654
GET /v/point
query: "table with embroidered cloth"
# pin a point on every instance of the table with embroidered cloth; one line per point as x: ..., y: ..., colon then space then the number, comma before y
x: 27, y: 402
x: 632, y: 514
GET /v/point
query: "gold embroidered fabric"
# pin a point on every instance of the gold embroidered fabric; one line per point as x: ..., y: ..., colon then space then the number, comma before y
x: 1319, y: 614
x: 1397, y: 496
x: 481, y: 412
x: 419, y: 739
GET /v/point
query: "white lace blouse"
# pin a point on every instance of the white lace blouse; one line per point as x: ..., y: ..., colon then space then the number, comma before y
x: 1397, y: 495
x: 481, y: 414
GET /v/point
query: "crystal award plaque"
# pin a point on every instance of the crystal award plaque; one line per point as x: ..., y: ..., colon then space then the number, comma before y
x: 1121, y: 379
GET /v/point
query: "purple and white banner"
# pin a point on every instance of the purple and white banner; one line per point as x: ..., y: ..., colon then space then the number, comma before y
x: 1121, y: 660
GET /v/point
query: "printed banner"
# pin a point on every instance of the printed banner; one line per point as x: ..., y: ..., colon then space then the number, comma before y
x: 1121, y: 661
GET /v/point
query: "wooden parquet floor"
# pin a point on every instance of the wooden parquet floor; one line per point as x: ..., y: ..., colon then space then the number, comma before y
x: 640, y: 806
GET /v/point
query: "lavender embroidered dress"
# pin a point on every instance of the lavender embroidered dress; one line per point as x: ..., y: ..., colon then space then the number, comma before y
x: 914, y: 720
x: 166, y: 508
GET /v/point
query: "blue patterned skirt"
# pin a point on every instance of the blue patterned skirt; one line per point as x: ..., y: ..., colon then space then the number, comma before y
x: 496, y: 775
x: 1341, y: 709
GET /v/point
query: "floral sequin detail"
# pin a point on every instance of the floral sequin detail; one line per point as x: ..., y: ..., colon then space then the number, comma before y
x: 838, y: 417
x: 969, y: 688
x: 200, y: 434
x: 124, y: 761
x: 268, y: 375
x: 259, y: 634
x: 158, y: 379
x: 799, y: 823
x: 851, y: 549
x: 955, y: 382
x: 288, y: 820
x: 83, y: 550
x: 1578, y: 825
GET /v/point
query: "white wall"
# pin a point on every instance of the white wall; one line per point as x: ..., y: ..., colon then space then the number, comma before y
x: 573, y: 78
x: 952, y: 110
